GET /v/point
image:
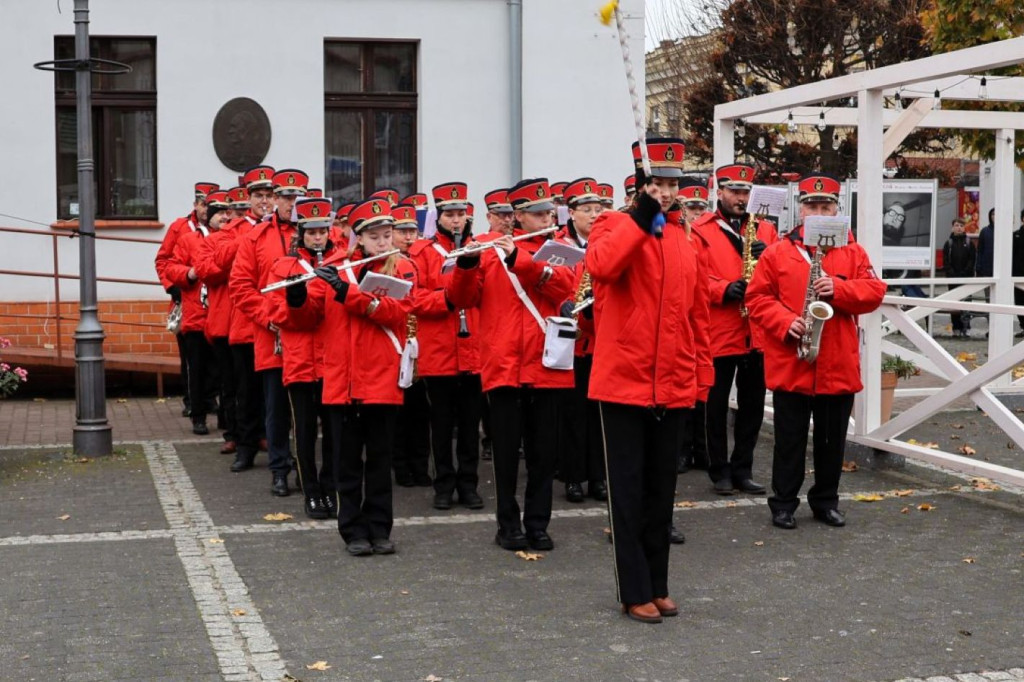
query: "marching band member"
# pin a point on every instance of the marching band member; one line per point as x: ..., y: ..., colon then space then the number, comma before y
x: 499, y: 215
x: 607, y: 194
x: 651, y: 359
x: 341, y: 233
x: 302, y: 361
x: 449, y: 359
x: 582, y: 457
x: 514, y: 294
x: 630, y: 186
x: 257, y: 253
x: 693, y: 199
x: 734, y: 345
x: 411, y: 461
x: 824, y: 387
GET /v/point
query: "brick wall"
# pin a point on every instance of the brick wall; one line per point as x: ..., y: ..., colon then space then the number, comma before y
x: 130, y: 326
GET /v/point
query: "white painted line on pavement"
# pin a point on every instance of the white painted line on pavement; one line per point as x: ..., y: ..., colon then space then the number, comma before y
x: 105, y: 536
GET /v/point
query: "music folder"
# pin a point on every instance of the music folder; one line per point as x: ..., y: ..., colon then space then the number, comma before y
x: 378, y: 285
x: 556, y: 253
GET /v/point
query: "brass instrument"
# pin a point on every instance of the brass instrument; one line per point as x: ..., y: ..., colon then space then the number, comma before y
x: 816, y: 312
x: 411, y: 326
x: 581, y: 301
x: 749, y: 262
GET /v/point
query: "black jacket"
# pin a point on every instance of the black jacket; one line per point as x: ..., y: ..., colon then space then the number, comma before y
x: 1017, y: 269
x: 958, y: 256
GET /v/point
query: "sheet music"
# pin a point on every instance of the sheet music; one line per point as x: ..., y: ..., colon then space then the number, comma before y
x: 767, y: 200
x: 824, y: 230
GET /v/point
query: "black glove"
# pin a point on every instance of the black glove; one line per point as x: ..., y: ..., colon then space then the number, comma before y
x: 329, y: 274
x: 757, y: 248
x: 295, y: 295
x: 645, y: 210
x: 510, y: 259
x: 469, y: 261
x: 566, y: 309
x: 735, y: 291
x: 175, y: 293
x: 642, y: 180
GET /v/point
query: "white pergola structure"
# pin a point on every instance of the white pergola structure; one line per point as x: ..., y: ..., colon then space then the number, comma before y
x: 880, y: 130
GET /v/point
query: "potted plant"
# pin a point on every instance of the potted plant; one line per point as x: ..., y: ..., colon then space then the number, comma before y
x: 10, y: 377
x: 894, y: 368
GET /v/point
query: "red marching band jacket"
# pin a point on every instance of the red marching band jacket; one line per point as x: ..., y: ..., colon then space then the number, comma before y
x: 165, y: 253
x: 225, y: 248
x: 185, y: 256
x: 257, y: 252
x: 514, y: 345
x: 651, y: 315
x: 215, y: 275
x: 731, y: 333
x: 360, y: 359
x: 442, y: 352
x: 776, y: 297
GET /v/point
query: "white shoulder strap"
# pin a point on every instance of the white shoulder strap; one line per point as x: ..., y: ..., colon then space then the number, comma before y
x: 517, y: 285
x: 391, y: 335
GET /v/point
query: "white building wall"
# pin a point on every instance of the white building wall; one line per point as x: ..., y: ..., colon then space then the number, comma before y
x: 576, y: 113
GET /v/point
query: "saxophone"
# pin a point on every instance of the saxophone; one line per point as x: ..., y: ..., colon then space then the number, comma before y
x: 749, y: 262
x: 581, y: 301
x: 816, y: 312
x: 411, y: 326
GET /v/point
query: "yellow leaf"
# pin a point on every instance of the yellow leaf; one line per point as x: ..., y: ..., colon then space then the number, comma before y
x: 731, y: 504
x: 955, y: 487
x: 216, y: 541
x: 160, y: 401
x: 238, y: 612
x: 924, y: 506
x: 869, y: 497
x: 930, y: 445
x: 958, y: 426
x: 968, y: 560
x: 404, y: 592
x: 122, y: 400
x: 983, y: 484
x: 529, y: 556
x: 759, y: 543
x: 903, y: 493
x: 850, y: 466
x: 81, y: 460
x: 279, y: 516
x: 64, y: 517
x: 432, y: 678
x: 686, y: 504
x: 1018, y: 372
x: 905, y: 510
x: 964, y: 356
x: 967, y: 450
x: 319, y: 665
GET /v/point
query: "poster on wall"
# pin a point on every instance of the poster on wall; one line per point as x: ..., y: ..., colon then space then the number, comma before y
x: 908, y: 217
x: 969, y: 201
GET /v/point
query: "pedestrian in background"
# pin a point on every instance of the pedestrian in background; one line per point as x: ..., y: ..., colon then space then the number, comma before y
x: 958, y: 260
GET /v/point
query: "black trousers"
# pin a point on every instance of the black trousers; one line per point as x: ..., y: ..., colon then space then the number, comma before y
x: 640, y: 449
x: 228, y: 388
x: 581, y: 455
x: 307, y: 408
x: 455, y: 402
x: 363, y: 469
x: 526, y: 415
x: 183, y: 359
x: 1018, y: 299
x: 248, y: 403
x: 748, y: 370
x: 200, y: 364
x: 695, y: 444
x: 412, y: 440
x: 793, y: 412
x: 278, y: 421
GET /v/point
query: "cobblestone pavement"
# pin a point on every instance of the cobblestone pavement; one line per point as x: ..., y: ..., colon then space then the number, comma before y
x: 157, y: 564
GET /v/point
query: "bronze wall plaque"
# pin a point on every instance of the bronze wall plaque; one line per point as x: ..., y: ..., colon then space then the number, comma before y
x: 241, y: 134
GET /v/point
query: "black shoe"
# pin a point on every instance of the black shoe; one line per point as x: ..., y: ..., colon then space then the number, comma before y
x: 574, y: 492
x: 512, y: 540
x: 831, y: 517
x: 701, y: 464
x: 443, y: 501
x: 1018, y: 335
x: 676, y: 536
x: 279, y: 487
x: 598, y: 490
x: 682, y: 464
x: 186, y: 411
x: 242, y: 462
x: 200, y: 428
x: 486, y: 452
x: 404, y: 479
x: 359, y: 547
x: 422, y: 480
x: 383, y: 546
x: 539, y: 540
x: 724, y: 487
x: 749, y: 486
x: 330, y: 503
x: 471, y: 500
x: 315, y: 508
x: 783, y: 519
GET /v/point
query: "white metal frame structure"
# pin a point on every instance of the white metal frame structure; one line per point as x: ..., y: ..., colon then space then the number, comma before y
x: 880, y: 131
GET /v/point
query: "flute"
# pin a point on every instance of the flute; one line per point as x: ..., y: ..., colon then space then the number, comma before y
x: 312, y: 275
x: 479, y: 247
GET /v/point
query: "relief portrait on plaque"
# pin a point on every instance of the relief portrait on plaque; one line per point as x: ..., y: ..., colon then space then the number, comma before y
x: 241, y: 134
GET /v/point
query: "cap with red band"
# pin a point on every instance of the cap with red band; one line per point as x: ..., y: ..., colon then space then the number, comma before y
x: 204, y: 188
x: 314, y: 193
x: 819, y: 188
x: 388, y: 194
x: 239, y: 197
x: 581, y: 191
x: 404, y: 216
x: 218, y: 198
x: 630, y: 185
x: 735, y: 176
x: 259, y: 177
x: 344, y: 210
x: 532, y: 196
x: 290, y: 182
x: 497, y: 201
x: 416, y: 200
x: 665, y: 155
x: 370, y: 213
x: 313, y: 212
x: 451, y: 196
x: 607, y: 194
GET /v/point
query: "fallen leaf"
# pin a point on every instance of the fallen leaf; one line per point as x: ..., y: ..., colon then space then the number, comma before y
x: 955, y: 487
x: 849, y: 466
x: 965, y: 633
x: 686, y: 504
x: 39, y: 400
x: 404, y: 592
x: 432, y: 678
x: 924, y: 506
x: 964, y: 356
x: 903, y: 493
x: 967, y: 450
x: 759, y: 543
x: 216, y: 541
x: 983, y: 484
x: 1011, y: 446
x: 82, y: 460
x: 529, y: 556
x: 1018, y: 372
x: 279, y: 516
x: 122, y: 400
x: 607, y: 531
x: 731, y: 504
x: 958, y: 426
x: 968, y: 560
x: 64, y: 517
x: 929, y: 444
x: 869, y: 497
x: 238, y: 612
x: 160, y: 401
x: 905, y: 510
x: 954, y: 437
x: 319, y: 665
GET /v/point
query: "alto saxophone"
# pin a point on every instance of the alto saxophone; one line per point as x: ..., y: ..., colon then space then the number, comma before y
x: 411, y: 326
x: 749, y: 262
x: 816, y: 312
x: 581, y: 301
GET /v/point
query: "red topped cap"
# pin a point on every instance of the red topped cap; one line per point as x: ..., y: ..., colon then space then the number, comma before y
x: 313, y: 212
x: 533, y: 196
x: 418, y: 200
x: 218, y: 198
x: 694, y: 194
x: 735, y: 176
x: 388, y: 194
x: 469, y: 209
x: 819, y: 188
x: 344, y: 210
x: 607, y: 194
x: 405, y: 217
x: 370, y: 213
x: 290, y: 181
x: 314, y: 193
x: 665, y: 154
x: 497, y: 201
x: 451, y: 196
x: 630, y: 185
x: 259, y: 177
x: 239, y: 197
x: 582, y: 191
x: 558, y: 189
x: 204, y: 188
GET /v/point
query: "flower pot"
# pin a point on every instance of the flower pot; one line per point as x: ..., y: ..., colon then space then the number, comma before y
x: 889, y: 381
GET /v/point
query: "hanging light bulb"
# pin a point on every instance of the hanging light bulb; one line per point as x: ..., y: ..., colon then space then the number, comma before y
x: 983, y: 89
x: 899, y: 101
x: 835, y: 141
x: 821, y: 121
x: 791, y: 124
x: 741, y: 129
x: 937, y: 103
x: 760, y: 142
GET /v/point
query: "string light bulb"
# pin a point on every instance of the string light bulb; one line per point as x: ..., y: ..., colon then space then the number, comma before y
x: 937, y: 102
x: 835, y: 141
x: 983, y: 89
x: 791, y: 124
x: 760, y: 142
x: 741, y: 129
x: 899, y: 101
x: 821, y: 121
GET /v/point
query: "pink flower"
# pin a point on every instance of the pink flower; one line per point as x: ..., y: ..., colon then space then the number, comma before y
x: 5, y: 343
x: 4, y: 367
x: 22, y: 373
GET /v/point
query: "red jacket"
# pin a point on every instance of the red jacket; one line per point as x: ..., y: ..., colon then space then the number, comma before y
x: 585, y: 320
x: 215, y: 275
x: 442, y: 352
x: 257, y: 252
x: 513, y: 340
x: 730, y: 332
x: 651, y: 315
x: 184, y: 258
x: 224, y: 252
x: 776, y: 297
x: 166, y: 251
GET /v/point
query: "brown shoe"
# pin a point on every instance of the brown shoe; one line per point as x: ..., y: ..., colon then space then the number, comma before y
x: 645, y: 613
x: 666, y: 607
x: 228, y: 448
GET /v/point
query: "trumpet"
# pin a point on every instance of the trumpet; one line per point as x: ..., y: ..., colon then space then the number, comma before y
x: 289, y: 281
x: 480, y: 247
